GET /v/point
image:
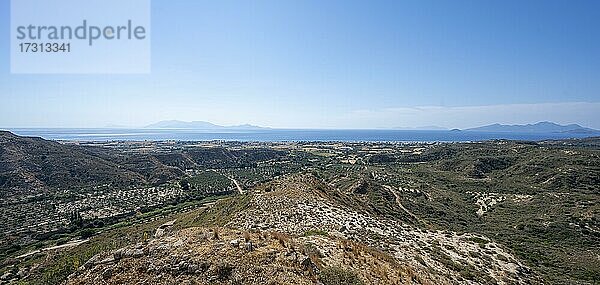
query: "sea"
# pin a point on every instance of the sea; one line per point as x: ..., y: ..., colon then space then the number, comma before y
x: 282, y: 135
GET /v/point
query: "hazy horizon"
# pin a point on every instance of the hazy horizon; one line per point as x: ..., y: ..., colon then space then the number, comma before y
x: 335, y: 65
x: 234, y: 127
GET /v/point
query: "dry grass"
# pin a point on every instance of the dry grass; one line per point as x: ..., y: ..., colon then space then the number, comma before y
x: 284, y: 239
x: 215, y: 232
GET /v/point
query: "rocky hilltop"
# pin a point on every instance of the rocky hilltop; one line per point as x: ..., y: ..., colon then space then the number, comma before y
x: 289, y: 232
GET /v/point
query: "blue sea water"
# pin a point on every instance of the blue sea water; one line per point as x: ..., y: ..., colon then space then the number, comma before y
x: 275, y: 135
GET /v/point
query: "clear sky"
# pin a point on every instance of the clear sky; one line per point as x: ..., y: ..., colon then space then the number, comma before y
x: 335, y: 64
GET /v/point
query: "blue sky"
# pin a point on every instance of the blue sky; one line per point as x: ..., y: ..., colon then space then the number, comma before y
x: 335, y: 64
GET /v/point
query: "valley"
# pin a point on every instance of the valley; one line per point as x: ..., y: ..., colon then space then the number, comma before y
x: 225, y: 212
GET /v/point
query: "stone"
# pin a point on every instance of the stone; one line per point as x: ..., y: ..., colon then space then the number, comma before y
x: 22, y: 272
x: 138, y: 253
x: 7, y: 276
x: 118, y: 254
x: 192, y: 268
x: 249, y: 246
x: 109, y: 259
x: 106, y: 274
x: 159, y: 232
x: 91, y: 262
x: 309, y: 265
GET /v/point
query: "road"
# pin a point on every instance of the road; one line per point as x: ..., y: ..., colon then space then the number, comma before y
x: 69, y: 244
x: 237, y: 185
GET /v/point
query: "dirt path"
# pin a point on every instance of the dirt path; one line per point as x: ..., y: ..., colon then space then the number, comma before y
x: 394, y: 191
x: 237, y: 185
x: 69, y: 244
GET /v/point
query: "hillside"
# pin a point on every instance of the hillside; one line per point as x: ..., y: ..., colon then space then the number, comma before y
x: 496, y: 212
x: 37, y: 165
x: 227, y: 256
x: 288, y: 232
x: 50, y: 190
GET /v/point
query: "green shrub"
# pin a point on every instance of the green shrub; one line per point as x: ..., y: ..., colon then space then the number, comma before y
x: 338, y: 276
x: 315, y: 233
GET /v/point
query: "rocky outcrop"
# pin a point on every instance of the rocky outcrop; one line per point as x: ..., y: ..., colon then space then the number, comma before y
x: 292, y: 234
x: 199, y: 256
x: 294, y: 207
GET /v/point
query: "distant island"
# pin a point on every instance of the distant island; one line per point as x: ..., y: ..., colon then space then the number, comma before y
x: 537, y: 128
x: 541, y: 127
x: 200, y: 125
x: 423, y: 128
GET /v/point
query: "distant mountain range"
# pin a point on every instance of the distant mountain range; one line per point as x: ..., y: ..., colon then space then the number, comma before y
x: 199, y: 125
x: 541, y: 127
